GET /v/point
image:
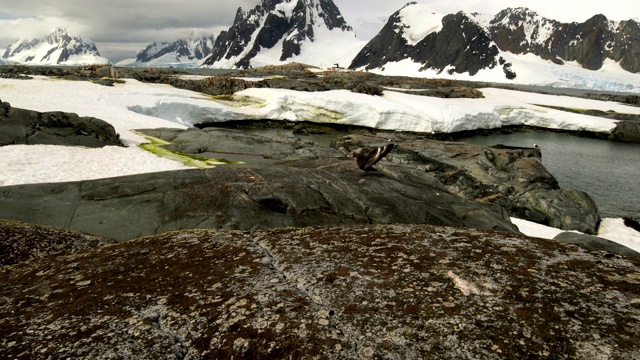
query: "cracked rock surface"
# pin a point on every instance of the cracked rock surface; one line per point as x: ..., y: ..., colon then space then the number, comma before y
x: 355, y: 292
x: 301, y: 193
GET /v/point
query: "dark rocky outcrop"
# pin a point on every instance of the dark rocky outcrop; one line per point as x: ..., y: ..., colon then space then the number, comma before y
x: 392, y: 292
x: 513, y: 178
x: 231, y: 141
x: 290, y: 181
x: 628, y: 131
x: 296, y: 193
x: 19, y: 126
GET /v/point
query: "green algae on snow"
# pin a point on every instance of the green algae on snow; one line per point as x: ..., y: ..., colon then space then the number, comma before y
x: 155, y: 146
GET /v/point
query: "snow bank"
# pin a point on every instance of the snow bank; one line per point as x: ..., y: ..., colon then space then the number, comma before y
x: 393, y: 111
x: 88, y: 99
x: 615, y: 230
x: 32, y: 164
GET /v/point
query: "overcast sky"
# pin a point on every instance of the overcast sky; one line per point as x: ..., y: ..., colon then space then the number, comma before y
x: 122, y: 27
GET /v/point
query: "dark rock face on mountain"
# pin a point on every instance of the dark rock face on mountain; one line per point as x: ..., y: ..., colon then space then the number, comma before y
x: 59, y: 47
x: 178, y: 51
x: 392, y: 292
x: 270, y: 22
x: 462, y: 45
x: 466, y: 44
x: 19, y: 126
x: 450, y: 47
x: 522, y: 31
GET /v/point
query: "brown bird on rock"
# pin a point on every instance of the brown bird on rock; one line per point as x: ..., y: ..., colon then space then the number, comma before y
x: 366, y: 162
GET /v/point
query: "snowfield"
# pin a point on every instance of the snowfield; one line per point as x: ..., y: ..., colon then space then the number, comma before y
x: 134, y: 105
x: 532, y: 70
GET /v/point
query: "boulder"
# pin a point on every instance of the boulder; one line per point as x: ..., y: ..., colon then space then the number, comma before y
x: 19, y: 126
x: 367, y: 291
x: 628, y: 131
x: 566, y: 209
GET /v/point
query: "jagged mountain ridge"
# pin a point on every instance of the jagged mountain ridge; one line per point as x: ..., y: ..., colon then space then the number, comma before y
x: 58, y: 48
x: 468, y: 43
x: 187, y: 52
x: 521, y: 31
x: 284, y: 29
x: 442, y: 44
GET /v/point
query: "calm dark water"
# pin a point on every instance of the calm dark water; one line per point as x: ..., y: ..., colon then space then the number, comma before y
x: 608, y: 171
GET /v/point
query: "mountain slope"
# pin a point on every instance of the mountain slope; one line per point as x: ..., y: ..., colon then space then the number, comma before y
x: 181, y: 53
x: 58, y: 48
x: 457, y: 43
x: 521, y: 31
x: 277, y: 31
x: 516, y: 45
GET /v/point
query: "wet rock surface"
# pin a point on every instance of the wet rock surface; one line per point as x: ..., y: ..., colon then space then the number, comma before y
x: 295, y: 193
x: 511, y: 177
x: 392, y: 291
x: 20, y: 126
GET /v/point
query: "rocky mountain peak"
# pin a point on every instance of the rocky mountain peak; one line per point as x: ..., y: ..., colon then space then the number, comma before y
x: 457, y: 43
x: 591, y: 43
x: 288, y: 24
x: 59, y: 47
x: 469, y: 43
x: 187, y: 52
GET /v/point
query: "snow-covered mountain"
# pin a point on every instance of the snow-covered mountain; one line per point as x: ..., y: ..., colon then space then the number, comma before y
x: 455, y: 43
x: 522, y: 31
x: 182, y: 53
x: 58, y: 48
x: 280, y: 31
x: 516, y: 45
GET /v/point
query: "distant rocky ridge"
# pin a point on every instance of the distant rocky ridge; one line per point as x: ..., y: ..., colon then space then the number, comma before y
x: 188, y: 52
x: 522, y: 31
x: 58, y: 48
x: 276, y: 31
x: 469, y: 43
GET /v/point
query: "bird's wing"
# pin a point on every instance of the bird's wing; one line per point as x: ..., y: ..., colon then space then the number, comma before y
x: 376, y: 155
